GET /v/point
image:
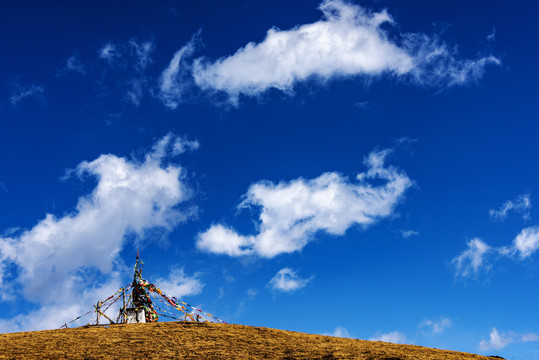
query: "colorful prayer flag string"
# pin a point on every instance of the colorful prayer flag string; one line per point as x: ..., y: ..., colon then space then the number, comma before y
x: 137, y: 296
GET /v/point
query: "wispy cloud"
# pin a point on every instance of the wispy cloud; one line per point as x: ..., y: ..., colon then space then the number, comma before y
x: 292, y: 212
x: 435, y: 327
x: 135, y: 90
x: 142, y: 53
x: 287, y: 280
x: 108, y: 53
x: 438, y: 64
x: 73, y: 64
x: 249, y: 296
x: 349, y: 41
x: 492, y: 36
x: 134, y: 54
x: 498, y: 341
x: 520, y: 205
x: 391, y: 337
x: 65, y: 255
x: 22, y: 93
x: 408, y: 233
x: 529, y: 337
x: 176, y: 80
x: 339, y: 332
x: 127, y: 67
x: 473, y: 260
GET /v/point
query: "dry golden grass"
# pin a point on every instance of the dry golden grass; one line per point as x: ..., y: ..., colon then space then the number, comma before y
x: 185, y: 340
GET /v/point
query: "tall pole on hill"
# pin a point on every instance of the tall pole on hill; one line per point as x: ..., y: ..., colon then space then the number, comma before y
x: 137, y: 291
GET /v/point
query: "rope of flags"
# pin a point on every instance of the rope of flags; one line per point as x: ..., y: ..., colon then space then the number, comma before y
x: 138, y: 295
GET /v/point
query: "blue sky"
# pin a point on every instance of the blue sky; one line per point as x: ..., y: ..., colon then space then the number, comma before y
x: 360, y: 169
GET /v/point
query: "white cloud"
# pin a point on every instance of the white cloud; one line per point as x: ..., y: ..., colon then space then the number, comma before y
x: 250, y: 295
x: 391, y: 337
x: 492, y: 36
x: 407, y: 233
x: 435, y: 327
x: 175, y: 81
x: 109, y: 53
x: 24, y: 92
x: 142, y: 52
x: 364, y: 105
x: 179, y: 285
x: 496, y: 341
x: 471, y: 261
x: 61, y: 257
x: 135, y: 90
x: 291, y: 213
x: 73, y: 64
x: 437, y: 64
x: 52, y: 315
x: 527, y: 242
x: 529, y: 337
x: 339, y: 332
x: 179, y: 147
x: 126, y: 70
x: 287, y: 280
x: 348, y: 41
x: 221, y: 240
x: 133, y: 54
x: 521, y: 205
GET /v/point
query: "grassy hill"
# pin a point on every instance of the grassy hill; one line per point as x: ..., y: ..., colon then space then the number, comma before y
x: 173, y: 340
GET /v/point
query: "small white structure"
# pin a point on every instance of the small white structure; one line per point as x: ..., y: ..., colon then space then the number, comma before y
x: 135, y: 315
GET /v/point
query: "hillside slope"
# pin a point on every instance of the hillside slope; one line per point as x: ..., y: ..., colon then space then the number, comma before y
x: 173, y: 340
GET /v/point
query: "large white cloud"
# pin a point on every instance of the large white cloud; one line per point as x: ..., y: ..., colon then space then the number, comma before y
x: 61, y: 257
x: 292, y: 212
x: 348, y: 41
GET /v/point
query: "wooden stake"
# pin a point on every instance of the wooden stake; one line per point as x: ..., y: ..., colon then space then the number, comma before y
x: 123, y: 309
x: 97, y: 311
